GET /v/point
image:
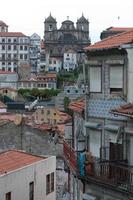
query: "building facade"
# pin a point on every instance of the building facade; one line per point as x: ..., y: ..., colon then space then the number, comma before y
x: 14, y: 49
x: 24, y: 176
x: 59, y: 41
x: 101, y: 164
x: 35, y: 48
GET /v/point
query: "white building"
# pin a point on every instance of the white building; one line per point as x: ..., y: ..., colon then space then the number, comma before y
x: 3, y: 107
x: 55, y: 64
x: 14, y: 49
x: 70, y: 60
x: 8, y: 79
x: 35, y: 47
x: 24, y: 176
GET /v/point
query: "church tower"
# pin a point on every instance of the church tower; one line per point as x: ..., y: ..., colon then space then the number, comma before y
x: 50, y: 24
x: 83, y: 24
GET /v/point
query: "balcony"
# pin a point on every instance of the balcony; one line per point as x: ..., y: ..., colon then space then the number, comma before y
x: 114, y: 175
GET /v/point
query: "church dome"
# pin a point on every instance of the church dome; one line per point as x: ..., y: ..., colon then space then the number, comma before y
x: 67, y: 25
x: 82, y: 19
x: 50, y: 19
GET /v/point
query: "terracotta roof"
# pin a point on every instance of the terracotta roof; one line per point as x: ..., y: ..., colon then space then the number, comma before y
x: 7, y: 88
x: 64, y: 116
x: 121, y: 29
x: 112, y: 42
x: 12, y: 160
x: 7, y: 72
x: 3, y: 23
x: 12, y: 34
x: 48, y: 75
x: 125, y: 110
x: 2, y: 105
x: 7, y: 117
x: 77, y: 106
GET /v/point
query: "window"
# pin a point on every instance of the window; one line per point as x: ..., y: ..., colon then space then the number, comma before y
x: 50, y: 62
x: 9, y: 47
x: 21, y: 47
x: 54, y: 61
x: 3, y: 56
x: 25, y: 56
x: 31, y: 191
x: 15, y: 40
x: 15, y: 56
x: 21, y: 56
x: 50, y: 27
x: 9, y: 40
x: 9, y: 69
x: 9, y: 63
x: 25, y: 48
x: 49, y: 183
x: 52, y: 181
x: 42, y: 111
x: 3, y: 68
x: 8, y: 196
x: 3, y: 47
x: 48, y: 112
x: 116, y: 79
x: 95, y: 79
x: 14, y: 47
x: 9, y: 56
x: 3, y: 40
x: 3, y: 63
x: 15, y: 69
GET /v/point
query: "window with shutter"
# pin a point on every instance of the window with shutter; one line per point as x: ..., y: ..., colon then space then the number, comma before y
x: 116, y: 79
x: 95, y: 79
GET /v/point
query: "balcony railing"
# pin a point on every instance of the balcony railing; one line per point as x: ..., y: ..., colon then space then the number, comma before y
x: 110, y: 174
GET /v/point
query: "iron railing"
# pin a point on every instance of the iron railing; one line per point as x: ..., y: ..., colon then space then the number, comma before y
x: 114, y: 174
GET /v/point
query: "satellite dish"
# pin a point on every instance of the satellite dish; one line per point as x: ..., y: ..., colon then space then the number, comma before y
x: 18, y: 119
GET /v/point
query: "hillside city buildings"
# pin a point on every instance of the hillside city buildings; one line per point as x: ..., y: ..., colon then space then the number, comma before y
x: 93, y: 137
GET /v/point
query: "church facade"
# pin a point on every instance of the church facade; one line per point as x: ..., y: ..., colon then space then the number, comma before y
x: 67, y: 37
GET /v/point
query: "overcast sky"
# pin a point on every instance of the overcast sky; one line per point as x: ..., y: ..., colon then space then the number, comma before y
x: 28, y: 16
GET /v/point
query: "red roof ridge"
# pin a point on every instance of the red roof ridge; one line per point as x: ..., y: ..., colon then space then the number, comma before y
x: 108, y: 39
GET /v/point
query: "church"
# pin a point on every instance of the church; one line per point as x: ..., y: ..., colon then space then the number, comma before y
x: 69, y: 37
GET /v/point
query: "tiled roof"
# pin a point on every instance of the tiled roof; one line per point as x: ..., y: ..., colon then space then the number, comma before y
x: 12, y: 34
x: 48, y: 75
x: 7, y: 88
x: 77, y: 106
x: 121, y: 29
x: 7, y: 117
x: 7, y: 72
x: 3, y: 23
x: 12, y: 160
x: 112, y: 42
x: 2, y: 105
x: 125, y: 110
x: 64, y: 116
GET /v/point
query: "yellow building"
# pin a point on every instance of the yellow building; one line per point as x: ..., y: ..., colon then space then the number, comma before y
x: 10, y: 92
x: 50, y: 116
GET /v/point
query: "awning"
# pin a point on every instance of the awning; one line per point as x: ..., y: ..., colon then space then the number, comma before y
x: 111, y: 127
x: 93, y: 125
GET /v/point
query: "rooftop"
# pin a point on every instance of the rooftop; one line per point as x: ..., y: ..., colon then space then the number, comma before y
x: 3, y: 23
x: 2, y: 105
x: 12, y: 34
x: 13, y: 159
x: 77, y: 106
x: 125, y: 110
x: 112, y: 42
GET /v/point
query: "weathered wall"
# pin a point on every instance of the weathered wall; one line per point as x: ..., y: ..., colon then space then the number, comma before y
x: 28, y: 139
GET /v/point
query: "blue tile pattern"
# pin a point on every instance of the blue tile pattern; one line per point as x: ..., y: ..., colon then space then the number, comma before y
x: 100, y: 108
